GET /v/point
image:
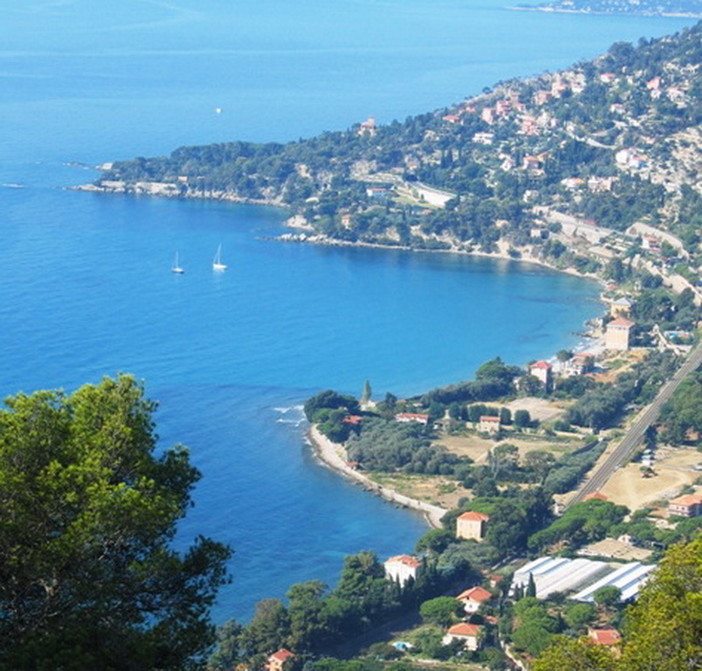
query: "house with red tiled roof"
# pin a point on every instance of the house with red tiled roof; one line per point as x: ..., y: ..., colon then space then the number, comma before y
x: 278, y: 660
x: 542, y: 371
x: 686, y: 506
x: 604, y: 635
x: 407, y: 417
x: 402, y: 567
x: 469, y: 634
x: 471, y: 525
x: 489, y: 424
x: 473, y: 598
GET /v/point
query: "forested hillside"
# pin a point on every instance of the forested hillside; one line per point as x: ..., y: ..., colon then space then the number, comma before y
x: 609, y: 143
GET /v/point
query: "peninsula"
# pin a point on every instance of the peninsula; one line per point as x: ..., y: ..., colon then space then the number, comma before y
x: 691, y: 8
x: 573, y: 169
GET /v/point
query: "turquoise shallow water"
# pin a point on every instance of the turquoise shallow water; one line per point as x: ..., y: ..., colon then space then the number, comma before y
x: 85, y: 287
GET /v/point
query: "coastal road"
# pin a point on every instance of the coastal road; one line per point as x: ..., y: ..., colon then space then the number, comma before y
x: 633, y: 437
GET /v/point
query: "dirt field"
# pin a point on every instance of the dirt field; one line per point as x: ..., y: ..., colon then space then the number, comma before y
x: 609, y: 547
x: 476, y: 447
x: 674, y: 468
x: 471, y: 445
x: 436, y: 490
x: 539, y: 408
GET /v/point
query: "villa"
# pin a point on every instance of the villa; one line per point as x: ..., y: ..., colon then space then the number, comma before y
x: 468, y: 634
x: 618, y: 335
x: 277, y: 661
x: 407, y: 417
x: 686, y: 506
x: 473, y: 598
x: 402, y: 568
x: 471, y: 525
x: 489, y: 424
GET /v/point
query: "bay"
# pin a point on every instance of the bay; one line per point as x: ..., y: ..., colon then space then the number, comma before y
x: 85, y: 287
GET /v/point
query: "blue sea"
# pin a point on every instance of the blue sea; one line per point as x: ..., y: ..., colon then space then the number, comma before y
x: 85, y: 285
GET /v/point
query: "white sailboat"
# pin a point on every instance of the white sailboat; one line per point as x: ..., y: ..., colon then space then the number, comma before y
x: 217, y: 262
x: 176, y: 266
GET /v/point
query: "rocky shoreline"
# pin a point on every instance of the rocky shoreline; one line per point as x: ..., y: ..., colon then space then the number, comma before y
x: 332, y: 455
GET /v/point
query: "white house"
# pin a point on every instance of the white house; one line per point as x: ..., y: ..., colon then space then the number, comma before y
x: 468, y: 634
x: 402, y: 567
x: 473, y: 598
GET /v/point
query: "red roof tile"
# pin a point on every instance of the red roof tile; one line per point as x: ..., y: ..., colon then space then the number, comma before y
x: 479, y: 594
x: 465, y: 629
x: 474, y: 516
x: 541, y: 364
x: 604, y: 636
x: 407, y: 560
x: 281, y: 655
x: 687, y: 500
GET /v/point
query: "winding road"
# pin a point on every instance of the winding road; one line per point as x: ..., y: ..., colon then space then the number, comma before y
x: 634, y: 435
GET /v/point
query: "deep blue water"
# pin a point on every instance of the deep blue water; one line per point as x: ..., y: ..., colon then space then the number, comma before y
x: 85, y: 287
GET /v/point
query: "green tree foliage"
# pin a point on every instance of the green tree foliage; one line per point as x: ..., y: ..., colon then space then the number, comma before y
x: 493, y: 380
x: 608, y: 596
x: 531, y: 587
x: 367, y: 392
x: 579, y: 615
x: 581, y: 523
x: 329, y: 400
x: 683, y: 413
x: 522, y: 419
x: 575, y: 655
x: 441, y: 610
x: 602, y: 406
x: 565, y: 474
x: 435, y: 540
x: 387, y: 445
x: 87, y: 575
x: 535, y: 627
x: 328, y: 409
x: 664, y: 628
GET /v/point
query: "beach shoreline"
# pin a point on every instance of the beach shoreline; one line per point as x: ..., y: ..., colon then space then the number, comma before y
x: 329, y: 454
x: 321, y: 239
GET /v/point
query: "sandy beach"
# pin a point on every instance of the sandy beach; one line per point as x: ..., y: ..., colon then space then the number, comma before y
x: 330, y: 454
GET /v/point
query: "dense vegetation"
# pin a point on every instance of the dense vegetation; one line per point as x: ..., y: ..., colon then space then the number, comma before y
x: 682, y: 415
x: 386, y: 445
x: 88, y: 577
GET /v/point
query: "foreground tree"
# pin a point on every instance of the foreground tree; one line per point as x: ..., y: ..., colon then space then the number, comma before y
x: 88, y: 579
x: 663, y: 629
x: 575, y: 655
